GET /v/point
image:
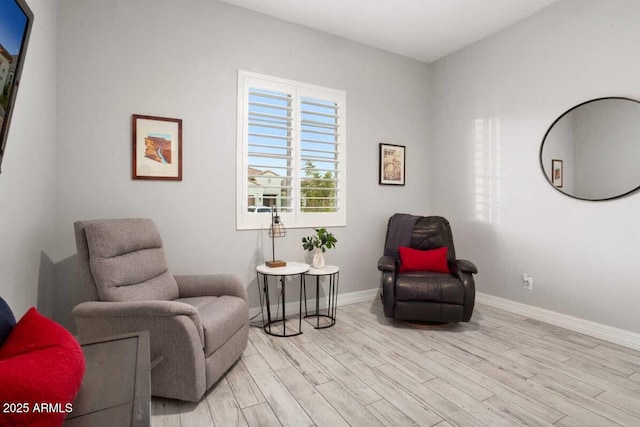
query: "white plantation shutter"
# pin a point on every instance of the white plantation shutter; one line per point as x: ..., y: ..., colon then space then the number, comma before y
x: 319, y: 131
x: 291, y: 153
x: 269, y: 130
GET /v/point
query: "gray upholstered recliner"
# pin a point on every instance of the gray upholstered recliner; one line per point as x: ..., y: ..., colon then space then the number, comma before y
x: 198, y: 325
x: 425, y: 295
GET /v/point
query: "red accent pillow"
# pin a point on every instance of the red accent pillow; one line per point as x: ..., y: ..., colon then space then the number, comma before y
x: 41, y: 370
x: 417, y: 260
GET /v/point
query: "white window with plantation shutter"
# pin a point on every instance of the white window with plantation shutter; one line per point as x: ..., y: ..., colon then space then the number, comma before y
x: 291, y: 153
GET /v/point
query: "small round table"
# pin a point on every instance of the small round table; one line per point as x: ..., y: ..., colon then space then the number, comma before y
x: 263, y: 272
x: 333, y: 273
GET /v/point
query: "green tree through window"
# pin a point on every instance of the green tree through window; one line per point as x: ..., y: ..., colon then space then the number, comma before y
x: 318, y: 190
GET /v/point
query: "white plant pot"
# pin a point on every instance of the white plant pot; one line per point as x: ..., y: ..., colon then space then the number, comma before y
x: 318, y: 259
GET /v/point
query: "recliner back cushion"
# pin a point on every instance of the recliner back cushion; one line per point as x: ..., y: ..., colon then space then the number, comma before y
x: 432, y: 232
x: 128, y: 262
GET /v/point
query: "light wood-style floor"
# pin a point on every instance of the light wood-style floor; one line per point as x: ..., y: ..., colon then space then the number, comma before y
x: 498, y: 369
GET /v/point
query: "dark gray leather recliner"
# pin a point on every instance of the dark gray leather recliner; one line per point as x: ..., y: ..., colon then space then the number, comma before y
x: 424, y: 295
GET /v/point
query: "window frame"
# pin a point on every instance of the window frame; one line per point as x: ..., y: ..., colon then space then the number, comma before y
x: 246, y: 220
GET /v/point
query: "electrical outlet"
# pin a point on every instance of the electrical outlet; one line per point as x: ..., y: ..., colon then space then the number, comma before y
x: 527, y: 281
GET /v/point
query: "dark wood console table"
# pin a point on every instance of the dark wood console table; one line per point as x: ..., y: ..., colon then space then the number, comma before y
x: 116, y: 389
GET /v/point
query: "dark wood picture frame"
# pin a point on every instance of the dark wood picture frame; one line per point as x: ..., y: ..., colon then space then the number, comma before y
x: 391, y: 164
x: 156, y: 148
x: 557, y: 172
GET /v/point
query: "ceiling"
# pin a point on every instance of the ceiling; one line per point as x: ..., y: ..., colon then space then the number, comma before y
x: 422, y: 29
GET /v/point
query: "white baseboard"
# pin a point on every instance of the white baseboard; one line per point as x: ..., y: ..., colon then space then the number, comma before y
x: 293, y: 307
x: 607, y: 333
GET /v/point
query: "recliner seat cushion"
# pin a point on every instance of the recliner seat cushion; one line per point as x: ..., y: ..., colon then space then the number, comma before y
x: 127, y: 261
x: 441, y: 287
x: 221, y: 318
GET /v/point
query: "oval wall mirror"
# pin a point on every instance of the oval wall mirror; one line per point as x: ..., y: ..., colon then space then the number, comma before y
x: 592, y: 151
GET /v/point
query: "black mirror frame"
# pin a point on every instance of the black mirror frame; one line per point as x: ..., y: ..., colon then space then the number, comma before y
x: 622, y: 98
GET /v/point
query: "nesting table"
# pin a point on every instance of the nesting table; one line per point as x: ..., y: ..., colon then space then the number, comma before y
x: 279, y: 273
x: 333, y: 273
x: 304, y: 272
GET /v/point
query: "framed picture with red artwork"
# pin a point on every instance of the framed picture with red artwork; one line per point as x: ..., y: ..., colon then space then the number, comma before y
x: 157, y: 148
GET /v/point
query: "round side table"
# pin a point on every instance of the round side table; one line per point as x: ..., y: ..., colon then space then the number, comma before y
x: 333, y: 273
x: 263, y: 272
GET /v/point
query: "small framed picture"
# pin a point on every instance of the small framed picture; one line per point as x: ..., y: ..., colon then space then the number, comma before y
x: 157, y: 148
x: 392, y: 164
x: 556, y: 173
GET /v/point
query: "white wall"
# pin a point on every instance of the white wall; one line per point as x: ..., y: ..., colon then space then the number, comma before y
x: 27, y: 182
x: 180, y: 59
x: 495, y: 100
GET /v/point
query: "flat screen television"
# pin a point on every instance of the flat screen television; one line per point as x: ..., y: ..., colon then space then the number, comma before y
x: 16, y: 20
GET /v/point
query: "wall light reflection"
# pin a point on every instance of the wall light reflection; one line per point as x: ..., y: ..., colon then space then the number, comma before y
x: 487, y: 170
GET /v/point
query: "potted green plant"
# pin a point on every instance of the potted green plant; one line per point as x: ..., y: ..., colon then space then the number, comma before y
x: 319, y: 243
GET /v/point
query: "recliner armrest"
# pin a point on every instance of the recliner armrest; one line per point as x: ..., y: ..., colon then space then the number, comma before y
x: 464, y: 270
x: 174, y: 337
x: 386, y: 263
x: 466, y: 266
x: 134, y: 308
x: 211, y: 285
x: 154, y: 310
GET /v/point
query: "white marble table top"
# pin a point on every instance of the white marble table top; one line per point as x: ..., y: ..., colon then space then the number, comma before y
x: 326, y: 270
